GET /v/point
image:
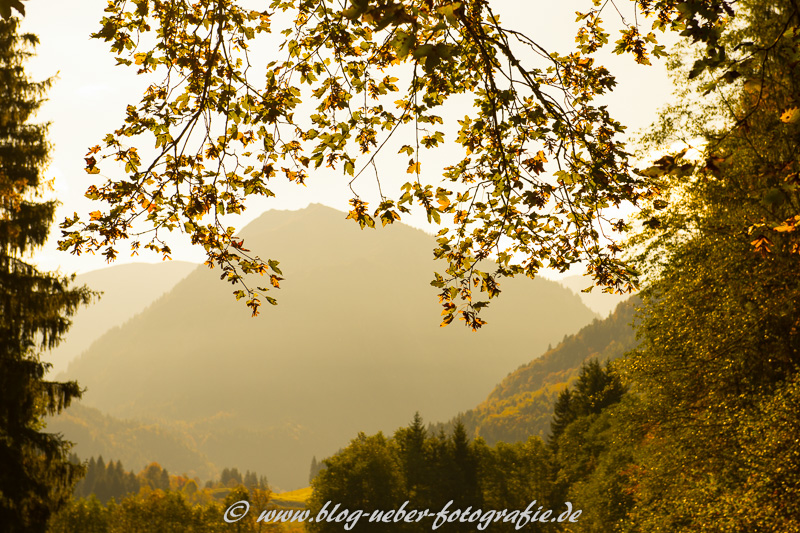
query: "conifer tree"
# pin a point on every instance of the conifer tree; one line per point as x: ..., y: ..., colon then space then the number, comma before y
x: 563, y: 415
x: 35, y: 474
x: 411, y: 448
x: 466, y: 488
x: 314, y: 470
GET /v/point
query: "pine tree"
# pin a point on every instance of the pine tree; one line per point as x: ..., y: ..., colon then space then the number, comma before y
x: 466, y: 490
x: 411, y: 444
x: 35, y: 474
x: 563, y: 415
x: 250, y: 480
x: 230, y: 477
x: 101, y: 481
x: 313, y: 470
x: 597, y: 388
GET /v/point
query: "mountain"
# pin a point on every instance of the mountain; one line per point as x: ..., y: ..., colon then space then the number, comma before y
x: 127, y: 290
x: 522, y: 404
x: 354, y: 345
x: 136, y: 444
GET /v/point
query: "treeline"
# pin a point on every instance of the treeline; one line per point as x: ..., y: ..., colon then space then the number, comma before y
x: 428, y: 470
x: 107, y: 481
x: 110, y: 499
x: 160, y: 511
x: 231, y: 477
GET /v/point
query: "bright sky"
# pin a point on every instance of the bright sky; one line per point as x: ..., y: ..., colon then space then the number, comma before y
x: 90, y: 95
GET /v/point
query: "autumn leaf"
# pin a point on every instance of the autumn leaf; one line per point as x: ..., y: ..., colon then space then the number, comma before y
x: 791, y: 116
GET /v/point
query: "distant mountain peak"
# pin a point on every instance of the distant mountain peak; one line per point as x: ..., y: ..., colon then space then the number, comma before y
x: 354, y: 345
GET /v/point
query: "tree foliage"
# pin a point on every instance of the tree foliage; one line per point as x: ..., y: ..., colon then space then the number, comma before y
x: 176, y: 504
x: 35, y: 476
x: 428, y: 470
x: 7, y: 5
x: 541, y: 165
x: 105, y: 481
x: 719, y: 348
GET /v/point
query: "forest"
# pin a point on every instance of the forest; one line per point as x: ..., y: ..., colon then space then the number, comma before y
x: 676, y: 413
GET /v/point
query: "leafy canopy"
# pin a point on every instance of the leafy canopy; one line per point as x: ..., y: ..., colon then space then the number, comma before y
x: 542, y: 162
x: 717, y: 367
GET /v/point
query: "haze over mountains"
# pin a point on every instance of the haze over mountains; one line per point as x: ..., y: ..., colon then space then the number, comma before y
x: 354, y: 345
x: 600, y: 302
x: 522, y: 404
x: 127, y: 290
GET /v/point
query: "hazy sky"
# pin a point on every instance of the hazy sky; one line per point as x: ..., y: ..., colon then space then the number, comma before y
x: 89, y: 98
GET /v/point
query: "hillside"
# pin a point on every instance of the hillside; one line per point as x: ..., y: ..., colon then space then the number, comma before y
x: 522, y: 404
x: 354, y: 345
x: 127, y: 290
x: 136, y: 444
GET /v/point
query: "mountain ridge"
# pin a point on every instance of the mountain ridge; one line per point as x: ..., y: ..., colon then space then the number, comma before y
x: 354, y: 345
x: 125, y: 294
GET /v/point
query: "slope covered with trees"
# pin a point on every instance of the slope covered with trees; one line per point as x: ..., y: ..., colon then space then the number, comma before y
x: 717, y: 369
x: 124, y: 291
x: 522, y: 404
x: 135, y: 443
x: 705, y: 439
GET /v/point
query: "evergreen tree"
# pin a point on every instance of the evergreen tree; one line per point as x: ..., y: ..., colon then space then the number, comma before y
x: 131, y: 483
x: 250, y: 480
x: 85, y: 486
x: 563, y: 415
x: 312, y: 472
x: 597, y: 388
x: 411, y: 447
x: 116, y: 480
x: 36, y: 477
x: 230, y: 477
x: 101, y: 482
x: 465, y: 490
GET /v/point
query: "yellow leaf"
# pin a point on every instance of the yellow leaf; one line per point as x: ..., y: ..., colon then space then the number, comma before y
x: 791, y: 115
x: 752, y: 86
